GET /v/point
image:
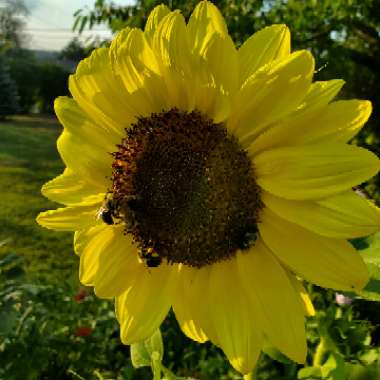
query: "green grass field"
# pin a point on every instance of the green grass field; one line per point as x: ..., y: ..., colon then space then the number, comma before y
x: 28, y: 158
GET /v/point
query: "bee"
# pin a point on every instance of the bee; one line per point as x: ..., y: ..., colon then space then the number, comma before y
x: 107, y: 211
x: 150, y: 257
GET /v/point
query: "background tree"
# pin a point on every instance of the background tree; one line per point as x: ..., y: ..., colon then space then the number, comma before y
x: 76, y: 50
x: 24, y: 70
x: 11, y: 40
x: 8, y: 91
x: 12, y: 23
x: 52, y: 82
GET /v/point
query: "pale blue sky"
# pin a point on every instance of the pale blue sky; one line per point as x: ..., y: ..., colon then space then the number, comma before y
x: 48, y: 26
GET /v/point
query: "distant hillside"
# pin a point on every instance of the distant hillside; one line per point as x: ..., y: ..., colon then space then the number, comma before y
x: 53, y: 57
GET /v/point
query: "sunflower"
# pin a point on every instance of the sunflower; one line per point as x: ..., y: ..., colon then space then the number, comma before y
x: 211, y: 180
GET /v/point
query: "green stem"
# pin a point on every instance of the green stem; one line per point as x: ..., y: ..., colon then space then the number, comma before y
x: 156, y: 369
x: 320, y: 353
x: 169, y: 374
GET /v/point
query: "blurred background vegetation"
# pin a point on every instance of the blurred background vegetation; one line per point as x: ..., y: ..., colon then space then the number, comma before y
x: 51, y: 327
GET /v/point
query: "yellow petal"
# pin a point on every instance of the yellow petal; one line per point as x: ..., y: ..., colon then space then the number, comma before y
x: 237, y: 327
x: 222, y: 60
x: 314, y: 171
x: 155, y: 17
x: 171, y: 43
x: 85, y: 146
x: 304, y: 298
x: 70, y: 218
x: 190, y: 302
x: 204, y: 22
x: 108, y: 259
x: 189, y: 326
x: 339, y: 122
x: 270, y: 94
x: 210, y: 97
x: 88, y: 243
x: 292, y: 129
x: 266, y: 45
x: 171, y: 46
x: 143, y: 306
x: 78, y: 123
x: 185, y: 312
x: 331, y: 263
x: 346, y: 215
x: 118, y: 263
x: 321, y: 93
x: 90, y: 162
x: 82, y: 237
x: 99, y: 93
x: 69, y: 188
x: 136, y: 66
x: 275, y: 302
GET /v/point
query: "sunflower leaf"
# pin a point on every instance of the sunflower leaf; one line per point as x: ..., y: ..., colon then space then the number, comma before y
x: 309, y: 373
x: 148, y: 352
x: 334, y: 368
x: 369, y: 249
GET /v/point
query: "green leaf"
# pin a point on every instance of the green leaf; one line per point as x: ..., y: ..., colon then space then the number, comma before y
x: 359, y: 372
x: 148, y: 352
x: 139, y: 355
x: 369, y: 249
x: 155, y: 346
x: 82, y: 24
x: 371, y: 356
x: 334, y: 368
x: 309, y: 373
x: 9, y: 259
x: 8, y: 321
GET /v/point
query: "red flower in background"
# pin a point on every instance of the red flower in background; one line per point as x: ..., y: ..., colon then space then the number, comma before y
x: 83, y: 331
x: 81, y: 295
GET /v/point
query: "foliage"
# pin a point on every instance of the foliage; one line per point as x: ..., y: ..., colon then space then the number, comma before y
x: 38, y: 83
x: 52, y: 82
x: 8, y: 91
x: 75, y: 50
x: 66, y: 332
x: 11, y: 24
x: 24, y: 69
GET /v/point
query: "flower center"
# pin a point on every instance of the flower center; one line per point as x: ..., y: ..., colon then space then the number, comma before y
x: 185, y: 189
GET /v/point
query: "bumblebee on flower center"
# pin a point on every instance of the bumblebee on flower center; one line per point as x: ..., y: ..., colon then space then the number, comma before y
x: 185, y: 189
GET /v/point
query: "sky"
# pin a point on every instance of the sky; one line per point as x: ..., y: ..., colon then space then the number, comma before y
x: 48, y: 25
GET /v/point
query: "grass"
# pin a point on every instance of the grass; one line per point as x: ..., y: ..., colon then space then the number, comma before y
x: 28, y: 158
